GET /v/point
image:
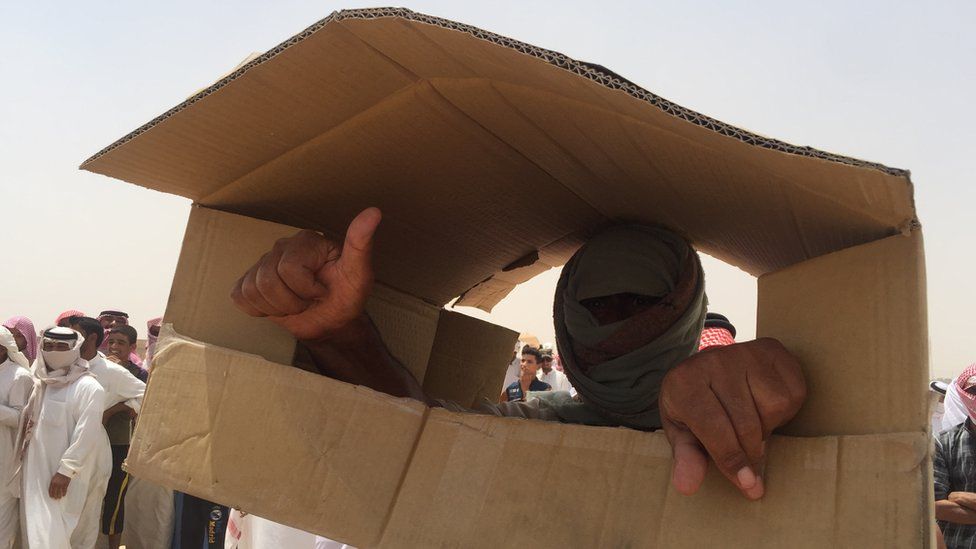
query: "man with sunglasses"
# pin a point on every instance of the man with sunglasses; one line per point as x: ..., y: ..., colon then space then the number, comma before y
x: 60, y: 443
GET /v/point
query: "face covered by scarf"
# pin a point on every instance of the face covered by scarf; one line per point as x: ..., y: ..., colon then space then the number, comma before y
x: 617, y: 368
x: 52, y: 368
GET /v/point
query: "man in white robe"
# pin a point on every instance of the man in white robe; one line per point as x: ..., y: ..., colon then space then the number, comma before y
x: 547, y: 374
x: 123, y: 395
x: 61, y: 441
x: 15, y: 388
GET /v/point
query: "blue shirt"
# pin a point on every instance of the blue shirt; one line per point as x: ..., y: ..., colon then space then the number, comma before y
x: 514, y: 390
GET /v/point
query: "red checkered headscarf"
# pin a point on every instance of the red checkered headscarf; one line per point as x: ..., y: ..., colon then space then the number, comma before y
x: 25, y: 327
x: 66, y: 314
x: 718, y: 332
x: 715, y: 337
x: 966, y: 386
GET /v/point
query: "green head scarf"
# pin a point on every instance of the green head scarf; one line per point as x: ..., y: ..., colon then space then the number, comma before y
x: 617, y: 368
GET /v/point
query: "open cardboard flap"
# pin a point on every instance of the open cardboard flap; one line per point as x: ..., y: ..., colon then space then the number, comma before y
x: 459, y: 135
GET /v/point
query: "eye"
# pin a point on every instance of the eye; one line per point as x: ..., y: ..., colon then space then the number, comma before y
x: 595, y: 303
x: 643, y: 300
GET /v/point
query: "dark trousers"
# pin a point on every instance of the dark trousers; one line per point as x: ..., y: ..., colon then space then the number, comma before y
x: 113, y: 506
x: 199, y: 524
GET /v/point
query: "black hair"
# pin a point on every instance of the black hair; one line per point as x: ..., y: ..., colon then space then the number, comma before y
x: 534, y: 352
x: 88, y: 327
x: 128, y: 331
x: 72, y: 320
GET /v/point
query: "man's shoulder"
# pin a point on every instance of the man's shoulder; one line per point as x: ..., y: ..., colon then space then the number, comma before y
x: 101, y: 366
x: 21, y: 373
x: 89, y: 384
x: 13, y: 369
x: 98, y: 363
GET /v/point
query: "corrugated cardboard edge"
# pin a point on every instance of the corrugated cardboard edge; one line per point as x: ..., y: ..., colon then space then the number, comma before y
x: 590, y: 71
x: 206, y: 483
x: 496, y: 456
x: 489, y: 436
x: 489, y: 290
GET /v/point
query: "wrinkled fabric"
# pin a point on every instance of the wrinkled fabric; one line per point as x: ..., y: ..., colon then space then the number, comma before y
x: 538, y: 408
x: 44, y: 378
x: 120, y: 387
x: 148, y: 515
x: 954, y: 410
x: 556, y: 379
x: 15, y: 387
x: 65, y: 441
x: 617, y: 369
x: 938, y: 412
x: 8, y: 342
x: 25, y: 327
x: 61, y: 433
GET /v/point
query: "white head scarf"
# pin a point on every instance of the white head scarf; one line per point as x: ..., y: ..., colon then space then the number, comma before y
x: 56, y: 367
x: 955, y: 410
x: 8, y: 342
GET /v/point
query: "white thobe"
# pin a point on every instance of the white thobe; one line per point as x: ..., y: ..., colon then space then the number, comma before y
x: 119, y: 383
x: 67, y: 439
x: 120, y: 386
x: 556, y: 379
x: 148, y: 515
x: 16, y: 384
x: 258, y: 533
x: 938, y: 411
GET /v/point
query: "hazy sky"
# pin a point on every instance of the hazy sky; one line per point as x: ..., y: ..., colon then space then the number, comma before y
x: 890, y: 82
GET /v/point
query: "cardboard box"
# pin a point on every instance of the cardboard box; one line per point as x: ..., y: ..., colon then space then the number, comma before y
x: 459, y: 135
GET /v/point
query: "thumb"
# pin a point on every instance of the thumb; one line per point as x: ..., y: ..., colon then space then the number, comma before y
x: 357, y: 249
x: 690, y: 462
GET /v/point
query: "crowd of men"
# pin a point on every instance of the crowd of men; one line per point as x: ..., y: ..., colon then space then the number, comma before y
x: 69, y: 398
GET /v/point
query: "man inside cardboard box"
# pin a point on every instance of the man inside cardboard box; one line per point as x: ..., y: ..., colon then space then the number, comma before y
x: 628, y: 312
